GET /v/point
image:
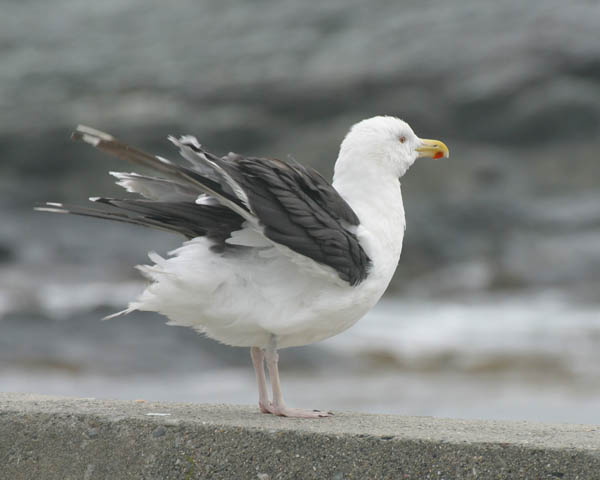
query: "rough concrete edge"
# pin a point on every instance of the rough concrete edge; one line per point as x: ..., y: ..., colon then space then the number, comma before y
x: 524, y: 433
x: 69, y: 436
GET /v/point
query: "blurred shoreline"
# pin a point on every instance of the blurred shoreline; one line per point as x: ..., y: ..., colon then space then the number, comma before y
x: 494, y: 310
x: 485, y: 358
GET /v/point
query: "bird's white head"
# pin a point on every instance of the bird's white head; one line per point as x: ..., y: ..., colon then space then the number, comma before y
x: 385, y: 145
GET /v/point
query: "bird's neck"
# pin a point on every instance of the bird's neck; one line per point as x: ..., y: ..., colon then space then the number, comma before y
x: 375, y: 197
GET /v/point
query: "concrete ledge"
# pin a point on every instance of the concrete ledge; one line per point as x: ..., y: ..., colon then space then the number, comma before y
x: 65, y: 438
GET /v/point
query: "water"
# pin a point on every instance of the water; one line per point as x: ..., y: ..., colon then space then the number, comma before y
x: 535, y: 356
x: 494, y: 310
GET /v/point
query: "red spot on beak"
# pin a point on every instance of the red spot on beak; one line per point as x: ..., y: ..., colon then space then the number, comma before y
x: 438, y: 155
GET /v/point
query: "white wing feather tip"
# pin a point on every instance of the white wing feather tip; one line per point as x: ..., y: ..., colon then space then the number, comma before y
x: 118, y: 314
x: 50, y: 209
x: 190, y: 139
x: 90, y: 132
x: 90, y: 139
x: 205, y: 199
x: 121, y: 175
x: 164, y: 160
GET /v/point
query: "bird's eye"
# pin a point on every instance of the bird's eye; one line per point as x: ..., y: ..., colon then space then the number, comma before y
x: 402, y: 139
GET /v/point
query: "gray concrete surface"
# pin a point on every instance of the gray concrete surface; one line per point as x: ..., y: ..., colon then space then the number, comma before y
x: 44, y: 437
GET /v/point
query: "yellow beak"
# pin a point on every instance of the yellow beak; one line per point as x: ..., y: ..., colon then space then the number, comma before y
x: 433, y: 149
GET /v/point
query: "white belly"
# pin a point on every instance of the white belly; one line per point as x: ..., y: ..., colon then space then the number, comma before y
x: 247, y: 300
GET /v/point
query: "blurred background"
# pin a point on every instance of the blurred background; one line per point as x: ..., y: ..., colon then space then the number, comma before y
x: 494, y: 311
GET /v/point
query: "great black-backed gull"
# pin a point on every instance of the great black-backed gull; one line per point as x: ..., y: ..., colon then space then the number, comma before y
x: 276, y: 256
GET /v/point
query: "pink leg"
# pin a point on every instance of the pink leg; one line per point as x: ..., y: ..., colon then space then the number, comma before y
x: 258, y: 357
x: 278, y: 406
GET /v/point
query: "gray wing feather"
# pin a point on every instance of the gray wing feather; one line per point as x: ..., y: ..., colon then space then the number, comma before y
x: 184, y: 175
x: 188, y: 219
x: 154, y: 188
x: 291, y: 205
x: 296, y: 207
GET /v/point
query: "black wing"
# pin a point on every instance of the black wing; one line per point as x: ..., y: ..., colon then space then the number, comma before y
x: 212, y: 221
x: 289, y: 204
x: 169, y: 202
x: 299, y: 209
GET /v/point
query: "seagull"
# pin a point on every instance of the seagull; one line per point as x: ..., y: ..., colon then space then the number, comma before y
x: 275, y: 256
